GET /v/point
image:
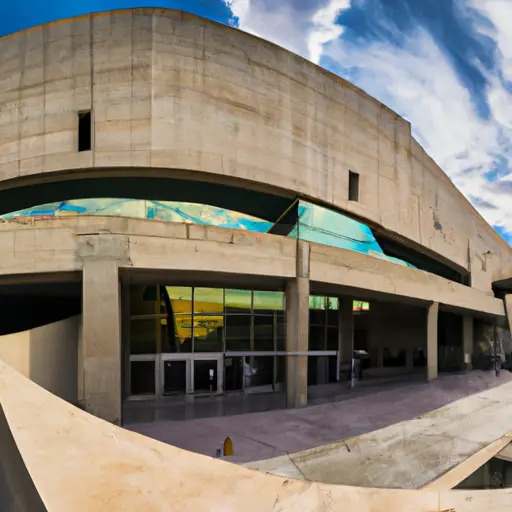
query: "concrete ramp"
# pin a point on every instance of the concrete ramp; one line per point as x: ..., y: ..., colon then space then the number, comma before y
x: 410, y: 454
x: 80, y: 463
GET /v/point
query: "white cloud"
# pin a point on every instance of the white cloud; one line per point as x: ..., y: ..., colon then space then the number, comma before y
x: 325, y: 29
x: 498, y: 14
x: 417, y: 80
x: 302, y: 27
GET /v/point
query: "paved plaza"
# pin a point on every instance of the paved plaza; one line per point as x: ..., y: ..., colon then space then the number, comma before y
x: 270, y: 433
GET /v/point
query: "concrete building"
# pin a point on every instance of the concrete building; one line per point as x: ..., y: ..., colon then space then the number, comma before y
x: 106, y: 302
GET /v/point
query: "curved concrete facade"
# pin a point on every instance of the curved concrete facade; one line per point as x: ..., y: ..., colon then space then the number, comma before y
x: 96, y: 465
x: 173, y: 92
x: 185, y: 109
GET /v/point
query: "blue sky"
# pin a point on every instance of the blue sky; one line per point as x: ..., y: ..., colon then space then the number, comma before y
x: 445, y: 65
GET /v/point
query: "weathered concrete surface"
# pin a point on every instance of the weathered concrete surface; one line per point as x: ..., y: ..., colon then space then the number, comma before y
x: 100, y: 343
x: 407, y: 455
x: 432, y: 343
x: 81, y: 463
x: 155, y: 245
x: 360, y: 271
x: 297, y: 330
x: 261, y: 429
x: 173, y: 91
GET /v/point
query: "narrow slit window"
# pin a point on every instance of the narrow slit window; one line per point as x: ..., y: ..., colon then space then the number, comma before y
x: 353, y: 186
x: 84, y: 131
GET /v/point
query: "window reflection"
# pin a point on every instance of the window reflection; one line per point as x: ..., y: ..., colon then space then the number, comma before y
x: 268, y: 302
x: 208, y: 319
x: 238, y: 301
x: 177, y: 321
x: 238, y: 332
x: 142, y: 300
x: 316, y: 302
x: 263, y: 332
x: 259, y: 371
x: 185, y: 319
x: 143, y: 336
x: 323, y: 324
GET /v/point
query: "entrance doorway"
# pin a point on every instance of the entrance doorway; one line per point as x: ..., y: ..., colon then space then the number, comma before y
x: 190, y: 374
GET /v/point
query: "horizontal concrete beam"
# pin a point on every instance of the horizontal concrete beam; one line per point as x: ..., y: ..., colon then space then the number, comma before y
x: 358, y: 271
x: 64, y: 243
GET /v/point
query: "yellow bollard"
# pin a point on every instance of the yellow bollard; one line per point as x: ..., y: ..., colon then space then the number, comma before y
x: 228, y: 447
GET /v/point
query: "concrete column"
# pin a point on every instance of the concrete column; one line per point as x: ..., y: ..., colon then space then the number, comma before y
x: 432, y: 315
x: 297, y: 330
x: 297, y: 340
x: 467, y: 342
x: 125, y: 340
x: 346, y: 332
x: 101, y: 340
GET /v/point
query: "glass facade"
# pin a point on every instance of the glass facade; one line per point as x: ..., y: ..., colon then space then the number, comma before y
x: 187, y: 319
x: 199, y: 332
x: 224, y: 339
x: 323, y: 323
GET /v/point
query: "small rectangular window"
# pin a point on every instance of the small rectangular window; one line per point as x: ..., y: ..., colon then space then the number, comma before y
x: 353, y: 186
x: 84, y: 131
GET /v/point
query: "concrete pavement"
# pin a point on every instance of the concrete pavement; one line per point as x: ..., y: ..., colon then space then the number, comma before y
x: 267, y: 434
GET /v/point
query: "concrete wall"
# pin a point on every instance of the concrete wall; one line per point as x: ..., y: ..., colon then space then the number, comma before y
x: 48, y: 355
x: 147, y: 244
x: 170, y: 90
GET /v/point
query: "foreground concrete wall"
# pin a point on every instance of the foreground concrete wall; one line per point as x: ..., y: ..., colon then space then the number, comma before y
x: 131, y: 472
x: 48, y: 355
x: 170, y: 90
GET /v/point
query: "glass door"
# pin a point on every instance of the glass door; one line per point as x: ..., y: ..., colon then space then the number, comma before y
x: 208, y: 373
x: 191, y: 373
x: 176, y: 375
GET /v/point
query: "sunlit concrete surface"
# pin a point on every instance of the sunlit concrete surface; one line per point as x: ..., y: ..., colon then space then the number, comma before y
x: 177, y: 96
x: 81, y: 463
x: 410, y: 454
x: 63, y: 244
x: 259, y: 433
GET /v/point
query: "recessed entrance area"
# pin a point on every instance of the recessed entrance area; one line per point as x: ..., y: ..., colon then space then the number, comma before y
x: 191, y: 341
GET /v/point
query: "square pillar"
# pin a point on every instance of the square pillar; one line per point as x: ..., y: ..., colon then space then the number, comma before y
x: 432, y: 316
x: 346, y: 334
x: 100, y: 350
x: 467, y: 342
x: 297, y: 340
x: 125, y: 341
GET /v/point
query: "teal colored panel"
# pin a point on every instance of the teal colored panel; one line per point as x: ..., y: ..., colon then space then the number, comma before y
x: 320, y: 225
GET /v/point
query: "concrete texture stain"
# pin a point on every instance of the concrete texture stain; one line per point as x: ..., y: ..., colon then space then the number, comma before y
x: 437, y: 224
